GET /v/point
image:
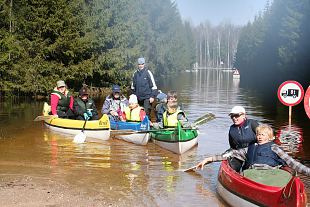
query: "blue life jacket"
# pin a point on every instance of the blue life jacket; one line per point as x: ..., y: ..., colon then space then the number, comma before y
x: 262, y: 154
x: 242, y: 136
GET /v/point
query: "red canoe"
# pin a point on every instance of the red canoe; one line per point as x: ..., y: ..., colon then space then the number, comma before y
x: 238, y: 190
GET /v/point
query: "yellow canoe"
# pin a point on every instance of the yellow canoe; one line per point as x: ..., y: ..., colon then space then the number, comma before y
x: 98, y: 129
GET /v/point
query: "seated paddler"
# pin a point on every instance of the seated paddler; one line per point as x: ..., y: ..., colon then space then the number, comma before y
x: 84, y: 106
x: 172, y: 116
x: 61, y: 101
x: 133, y: 112
x: 264, y: 154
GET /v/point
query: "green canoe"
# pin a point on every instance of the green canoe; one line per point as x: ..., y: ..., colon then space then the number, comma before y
x: 177, y: 140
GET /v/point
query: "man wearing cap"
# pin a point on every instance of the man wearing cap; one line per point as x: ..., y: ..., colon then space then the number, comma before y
x: 241, y: 133
x: 144, y: 86
x: 61, y: 101
x: 115, y: 104
x: 84, y: 107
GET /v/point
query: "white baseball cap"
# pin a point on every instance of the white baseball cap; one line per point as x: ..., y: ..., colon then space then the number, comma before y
x: 237, y: 110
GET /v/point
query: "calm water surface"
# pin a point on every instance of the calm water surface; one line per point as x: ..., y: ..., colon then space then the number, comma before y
x: 124, y: 174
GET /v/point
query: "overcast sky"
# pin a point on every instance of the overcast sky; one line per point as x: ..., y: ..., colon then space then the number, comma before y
x: 238, y: 12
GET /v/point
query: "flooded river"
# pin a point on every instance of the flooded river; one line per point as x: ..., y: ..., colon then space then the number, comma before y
x: 41, y: 168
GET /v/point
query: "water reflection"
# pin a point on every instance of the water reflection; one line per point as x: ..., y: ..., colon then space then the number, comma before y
x: 290, y: 138
x: 125, y: 174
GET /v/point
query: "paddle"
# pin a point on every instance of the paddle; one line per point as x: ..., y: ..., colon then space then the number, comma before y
x: 204, y: 118
x: 42, y: 118
x: 80, y: 137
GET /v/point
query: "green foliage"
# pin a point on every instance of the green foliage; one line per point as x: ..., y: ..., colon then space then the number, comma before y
x: 88, y: 41
x: 275, y: 46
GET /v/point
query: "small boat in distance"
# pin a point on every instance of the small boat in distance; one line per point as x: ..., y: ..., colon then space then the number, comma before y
x: 236, y: 73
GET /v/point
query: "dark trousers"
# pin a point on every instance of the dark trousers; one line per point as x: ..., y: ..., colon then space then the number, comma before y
x: 66, y: 115
x: 145, y: 103
x: 235, y: 164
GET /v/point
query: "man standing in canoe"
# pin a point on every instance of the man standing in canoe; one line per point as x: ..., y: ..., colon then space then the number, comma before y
x: 144, y: 86
x: 61, y: 101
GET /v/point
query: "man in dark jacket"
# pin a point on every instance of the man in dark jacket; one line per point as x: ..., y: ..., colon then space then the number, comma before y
x: 144, y: 86
x: 84, y: 107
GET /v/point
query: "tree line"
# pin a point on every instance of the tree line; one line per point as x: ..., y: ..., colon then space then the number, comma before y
x: 88, y: 41
x: 275, y: 46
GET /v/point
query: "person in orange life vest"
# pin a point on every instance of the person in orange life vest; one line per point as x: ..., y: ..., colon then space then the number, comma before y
x: 84, y: 107
x: 134, y: 112
x: 61, y: 101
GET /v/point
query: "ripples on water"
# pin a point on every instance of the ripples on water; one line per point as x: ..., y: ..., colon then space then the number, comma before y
x: 123, y: 174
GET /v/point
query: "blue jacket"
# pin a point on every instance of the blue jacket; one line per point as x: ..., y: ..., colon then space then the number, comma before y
x: 242, y: 136
x: 143, y: 84
x: 262, y: 154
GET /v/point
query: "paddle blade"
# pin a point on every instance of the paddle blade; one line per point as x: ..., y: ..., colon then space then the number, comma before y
x: 191, y: 169
x: 42, y: 118
x: 79, y: 138
x: 205, y: 118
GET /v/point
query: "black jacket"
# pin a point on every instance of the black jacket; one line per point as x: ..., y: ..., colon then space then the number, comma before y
x: 143, y: 84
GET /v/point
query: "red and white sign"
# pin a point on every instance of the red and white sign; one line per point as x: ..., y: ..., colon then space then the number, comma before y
x: 307, y: 102
x: 290, y: 93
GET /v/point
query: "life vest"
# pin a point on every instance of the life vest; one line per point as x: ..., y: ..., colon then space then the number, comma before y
x: 83, y: 106
x: 64, y: 100
x: 134, y: 114
x: 262, y: 154
x: 242, y: 136
x: 171, y: 120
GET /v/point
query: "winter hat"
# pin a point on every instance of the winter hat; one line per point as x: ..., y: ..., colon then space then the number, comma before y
x: 133, y: 99
x: 161, y: 97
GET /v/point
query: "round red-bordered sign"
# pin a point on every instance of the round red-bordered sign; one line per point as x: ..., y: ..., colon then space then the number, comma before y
x: 307, y: 102
x: 290, y: 93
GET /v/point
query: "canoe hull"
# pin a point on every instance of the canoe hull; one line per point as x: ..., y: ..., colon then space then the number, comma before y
x: 138, y: 138
x: 237, y: 190
x: 176, y: 140
x: 177, y: 147
x: 98, y: 129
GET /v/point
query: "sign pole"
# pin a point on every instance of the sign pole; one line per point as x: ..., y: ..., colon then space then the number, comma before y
x: 289, y: 117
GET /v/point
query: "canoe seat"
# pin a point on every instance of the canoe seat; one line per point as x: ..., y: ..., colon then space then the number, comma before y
x: 271, y: 177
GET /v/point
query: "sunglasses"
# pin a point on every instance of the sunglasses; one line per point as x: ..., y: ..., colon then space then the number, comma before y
x: 235, y: 115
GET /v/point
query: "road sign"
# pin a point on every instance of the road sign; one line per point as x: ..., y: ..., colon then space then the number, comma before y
x: 290, y: 93
x: 307, y: 102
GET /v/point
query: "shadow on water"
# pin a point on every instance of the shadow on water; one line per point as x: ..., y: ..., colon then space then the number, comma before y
x: 118, y: 173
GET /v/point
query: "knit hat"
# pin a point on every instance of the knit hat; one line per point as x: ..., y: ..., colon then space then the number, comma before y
x: 133, y: 99
x: 161, y: 97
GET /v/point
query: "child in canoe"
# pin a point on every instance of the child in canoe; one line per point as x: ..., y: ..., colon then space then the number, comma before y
x: 264, y: 154
x: 133, y: 112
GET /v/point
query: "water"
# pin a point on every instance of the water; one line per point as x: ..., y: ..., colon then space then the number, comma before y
x: 46, y: 168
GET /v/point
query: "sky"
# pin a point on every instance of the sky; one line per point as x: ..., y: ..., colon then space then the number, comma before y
x: 238, y: 12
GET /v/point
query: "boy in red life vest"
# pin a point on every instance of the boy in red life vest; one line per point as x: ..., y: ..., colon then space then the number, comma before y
x: 133, y: 112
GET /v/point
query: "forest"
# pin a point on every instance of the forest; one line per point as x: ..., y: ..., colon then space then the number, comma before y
x: 275, y: 46
x: 88, y: 41
x: 98, y: 42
